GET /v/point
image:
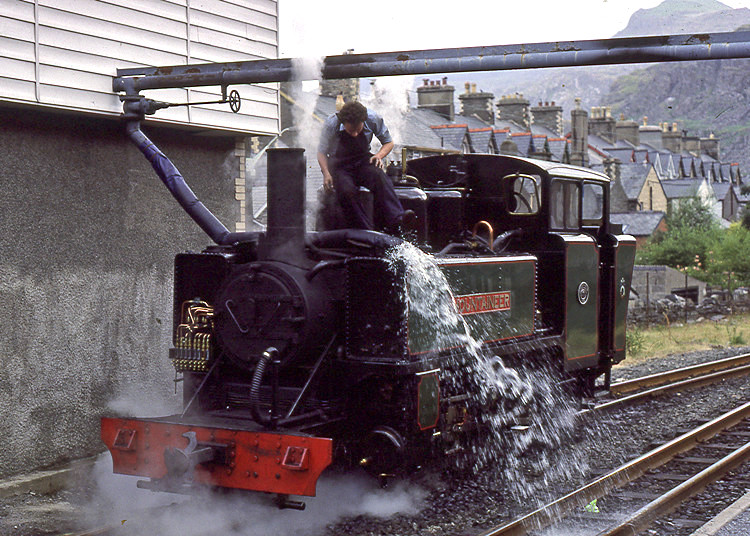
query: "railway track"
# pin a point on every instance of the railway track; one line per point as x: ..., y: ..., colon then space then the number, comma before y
x: 636, y: 390
x: 650, y: 465
x: 655, y: 380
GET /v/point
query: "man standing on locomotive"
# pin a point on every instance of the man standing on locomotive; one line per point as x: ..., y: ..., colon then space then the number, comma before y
x: 346, y: 162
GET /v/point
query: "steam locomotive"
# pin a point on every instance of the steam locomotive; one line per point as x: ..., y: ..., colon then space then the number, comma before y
x: 301, y: 349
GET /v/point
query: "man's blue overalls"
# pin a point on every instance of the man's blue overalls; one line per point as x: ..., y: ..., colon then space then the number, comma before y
x: 351, y: 168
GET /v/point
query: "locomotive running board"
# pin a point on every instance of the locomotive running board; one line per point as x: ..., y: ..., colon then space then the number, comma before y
x: 178, y: 454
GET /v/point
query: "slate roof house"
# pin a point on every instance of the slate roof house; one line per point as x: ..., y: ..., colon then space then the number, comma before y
x: 686, y: 166
x: 641, y: 224
x: 727, y: 200
x: 640, y: 189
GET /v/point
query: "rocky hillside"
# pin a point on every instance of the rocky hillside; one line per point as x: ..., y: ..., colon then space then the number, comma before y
x: 685, y: 16
x: 701, y: 96
x: 704, y: 96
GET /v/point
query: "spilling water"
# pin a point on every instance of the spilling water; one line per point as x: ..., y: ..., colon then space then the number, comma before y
x: 501, y: 396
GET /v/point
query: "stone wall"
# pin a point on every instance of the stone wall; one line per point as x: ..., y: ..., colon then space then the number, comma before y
x: 89, y: 235
x: 670, y: 309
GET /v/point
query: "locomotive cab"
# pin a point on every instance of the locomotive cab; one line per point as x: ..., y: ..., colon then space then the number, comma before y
x: 559, y: 214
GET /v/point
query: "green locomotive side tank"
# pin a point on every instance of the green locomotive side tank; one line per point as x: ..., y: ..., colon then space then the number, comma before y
x: 494, y: 298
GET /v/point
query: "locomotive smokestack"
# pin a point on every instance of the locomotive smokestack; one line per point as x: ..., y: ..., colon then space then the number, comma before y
x: 285, y: 234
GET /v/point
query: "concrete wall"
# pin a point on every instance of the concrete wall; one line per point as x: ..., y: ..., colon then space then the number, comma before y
x: 89, y: 235
x: 663, y: 280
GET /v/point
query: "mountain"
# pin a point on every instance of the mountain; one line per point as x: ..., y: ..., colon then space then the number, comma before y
x: 685, y: 16
x: 703, y: 97
x: 592, y: 84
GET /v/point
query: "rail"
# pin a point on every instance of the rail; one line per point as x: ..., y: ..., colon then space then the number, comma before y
x: 544, y: 516
x: 653, y: 380
x: 666, y: 503
x: 690, y: 383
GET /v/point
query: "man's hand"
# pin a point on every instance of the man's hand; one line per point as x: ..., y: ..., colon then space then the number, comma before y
x: 377, y: 161
x: 327, y: 178
x: 327, y: 182
x: 384, y: 151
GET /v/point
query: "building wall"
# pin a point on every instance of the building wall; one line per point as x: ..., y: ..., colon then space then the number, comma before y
x: 730, y: 206
x: 89, y: 236
x: 652, y: 196
x: 63, y: 54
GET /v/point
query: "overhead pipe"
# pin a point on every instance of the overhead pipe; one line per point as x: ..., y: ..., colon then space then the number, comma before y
x: 687, y: 47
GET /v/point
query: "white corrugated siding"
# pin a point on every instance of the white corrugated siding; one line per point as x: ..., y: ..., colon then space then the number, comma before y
x: 64, y: 53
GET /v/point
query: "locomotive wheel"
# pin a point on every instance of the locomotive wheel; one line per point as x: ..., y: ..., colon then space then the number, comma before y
x: 382, y: 452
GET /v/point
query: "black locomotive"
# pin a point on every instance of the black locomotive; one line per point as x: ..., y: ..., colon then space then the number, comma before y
x: 299, y: 349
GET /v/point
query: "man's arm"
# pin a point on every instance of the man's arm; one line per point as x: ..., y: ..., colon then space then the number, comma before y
x: 325, y: 147
x: 377, y: 158
x: 381, y: 132
x: 327, y: 178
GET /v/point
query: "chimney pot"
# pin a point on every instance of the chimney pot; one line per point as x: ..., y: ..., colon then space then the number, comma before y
x: 467, y: 85
x: 445, y: 80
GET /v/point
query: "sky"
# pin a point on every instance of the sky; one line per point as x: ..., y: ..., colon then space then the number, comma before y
x: 314, y: 28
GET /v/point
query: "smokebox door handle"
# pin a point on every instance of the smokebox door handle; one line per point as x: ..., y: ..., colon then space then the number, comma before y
x: 229, y: 304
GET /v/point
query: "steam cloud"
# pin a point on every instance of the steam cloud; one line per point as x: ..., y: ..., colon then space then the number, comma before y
x: 117, y: 500
x: 303, y: 110
x: 390, y: 98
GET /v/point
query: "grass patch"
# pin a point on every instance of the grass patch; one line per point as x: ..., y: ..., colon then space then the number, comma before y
x: 674, y: 338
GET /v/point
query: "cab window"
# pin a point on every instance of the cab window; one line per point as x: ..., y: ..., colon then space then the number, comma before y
x: 565, y: 205
x: 593, y: 203
x: 523, y: 193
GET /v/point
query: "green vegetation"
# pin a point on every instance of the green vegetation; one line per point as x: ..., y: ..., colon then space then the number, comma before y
x: 632, y: 83
x: 695, y: 244
x: 635, y: 341
x: 662, y: 340
x: 727, y: 131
